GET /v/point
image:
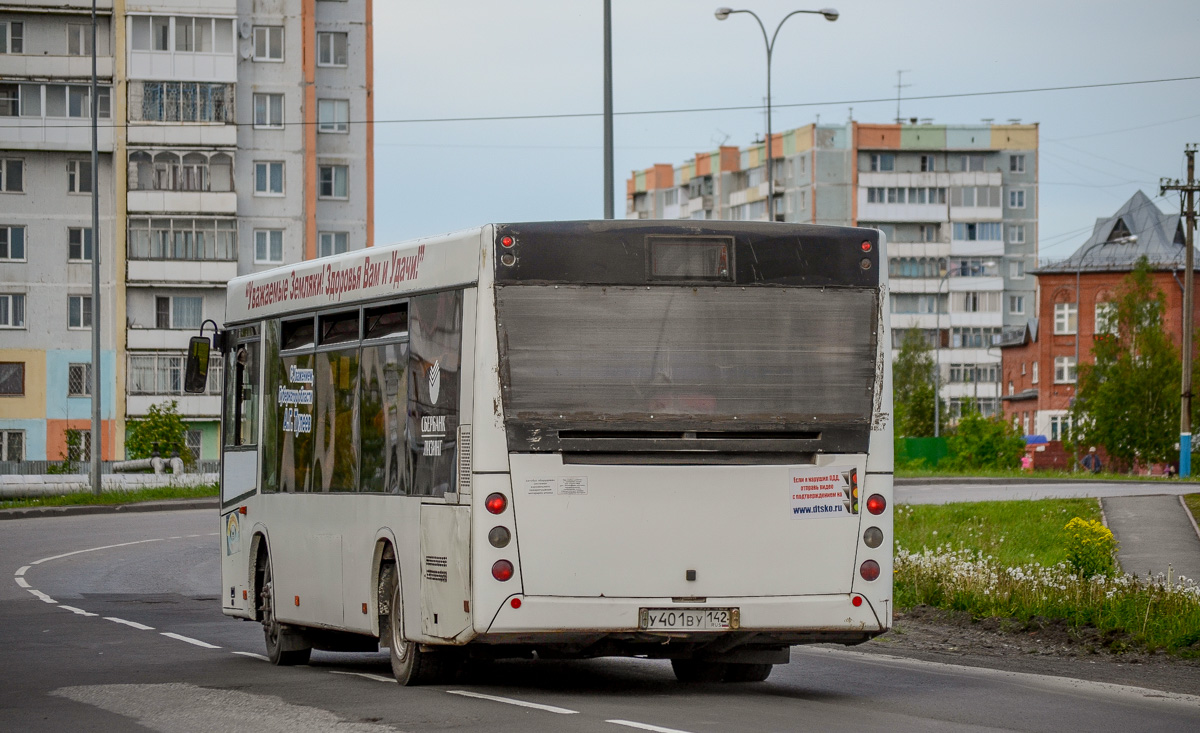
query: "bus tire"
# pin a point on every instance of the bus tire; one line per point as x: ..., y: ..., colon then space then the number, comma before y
x: 410, y: 665
x: 748, y: 672
x: 284, y: 647
x: 695, y: 670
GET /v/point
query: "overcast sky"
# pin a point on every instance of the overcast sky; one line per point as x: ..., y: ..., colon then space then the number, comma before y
x: 462, y: 58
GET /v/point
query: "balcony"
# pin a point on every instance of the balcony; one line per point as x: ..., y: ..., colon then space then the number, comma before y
x: 43, y: 133
x: 189, y: 405
x: 195, y: 202
x: 183, y: 66
x: 43, y: 67
x: 159, y: 339
x: 150, y: 273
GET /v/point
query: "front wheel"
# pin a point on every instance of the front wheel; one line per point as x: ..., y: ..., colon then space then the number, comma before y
x: 284, y: 647
x: 410, y: 665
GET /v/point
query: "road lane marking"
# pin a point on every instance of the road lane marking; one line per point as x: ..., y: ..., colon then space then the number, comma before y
x: 189, y: 640
x: 366, y: 675
x: 131, y: 624
x: 41, y: 596
x: 22, y: 582
x: 510, y: 701
x: 93, y: 549
x: 252, y: 655
x: 78, y: 611
x: 645, y: 726
x: 21, y: 570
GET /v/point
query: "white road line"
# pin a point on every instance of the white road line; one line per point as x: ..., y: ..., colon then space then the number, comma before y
x: 93, y: 549
x: 78, y: 611
x: 41, y: 596
x: 644, y: 726
x: 510, y: 701
x: 21, y: 570
x: 189, y: 640
x: 252, y: 655
x: 22, y: 582
x: 376, y: 677
x: 131, y: 624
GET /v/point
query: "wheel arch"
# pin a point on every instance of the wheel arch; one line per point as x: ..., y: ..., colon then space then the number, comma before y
x: 385, y: 552
x: 259, y: 548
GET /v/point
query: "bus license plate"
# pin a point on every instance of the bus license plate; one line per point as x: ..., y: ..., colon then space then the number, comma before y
x: 688, y: 619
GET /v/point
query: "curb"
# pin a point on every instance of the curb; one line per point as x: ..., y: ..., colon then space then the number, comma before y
x: 164, y: 505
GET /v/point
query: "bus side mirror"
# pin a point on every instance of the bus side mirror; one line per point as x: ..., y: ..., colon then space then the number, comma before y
x: 195, y: 377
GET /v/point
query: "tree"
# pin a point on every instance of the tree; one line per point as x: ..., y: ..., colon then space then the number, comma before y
x: 983, y: 442
x: 1128, y: 399
x: 161, y: 428
x: 913, y: 387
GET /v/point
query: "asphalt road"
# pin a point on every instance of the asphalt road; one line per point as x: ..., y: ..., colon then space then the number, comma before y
x: 134, y: 640
x: 945, y: 492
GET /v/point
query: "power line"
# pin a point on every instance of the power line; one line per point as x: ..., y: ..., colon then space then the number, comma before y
x: 690, y: 110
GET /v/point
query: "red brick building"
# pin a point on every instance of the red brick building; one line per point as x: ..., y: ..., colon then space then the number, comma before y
x: 1038, y: 360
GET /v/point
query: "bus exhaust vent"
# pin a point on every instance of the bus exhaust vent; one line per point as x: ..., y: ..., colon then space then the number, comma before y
x: 464, y: 459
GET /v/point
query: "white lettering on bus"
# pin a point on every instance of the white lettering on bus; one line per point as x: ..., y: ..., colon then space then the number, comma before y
x: 296, y: 374
x: 287, y: 396
x: 433, y: 448
x: 433, y: 424
x: 295, y: 421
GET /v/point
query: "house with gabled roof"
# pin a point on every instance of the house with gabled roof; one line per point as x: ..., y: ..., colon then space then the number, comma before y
x: 1039, y: 361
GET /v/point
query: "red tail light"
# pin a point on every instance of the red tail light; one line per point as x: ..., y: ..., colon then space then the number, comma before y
x: 866, y: 246
x: 856, y: 601
x: 869, y: 570
x: 503, y: 570
x: 876, y: 504
x: 495, y: 503
x: 506, y: 241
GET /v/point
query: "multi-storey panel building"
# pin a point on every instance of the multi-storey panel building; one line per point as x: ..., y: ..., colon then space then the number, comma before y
x: 958, y: 205
x: 243, y: 142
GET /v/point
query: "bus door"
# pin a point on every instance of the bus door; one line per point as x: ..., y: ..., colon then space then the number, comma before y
x: 239, y: 457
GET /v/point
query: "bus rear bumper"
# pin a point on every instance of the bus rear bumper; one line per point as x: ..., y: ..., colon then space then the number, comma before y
x: 779, y: 619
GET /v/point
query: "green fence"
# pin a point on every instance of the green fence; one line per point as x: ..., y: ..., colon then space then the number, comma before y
x: 931, y: 450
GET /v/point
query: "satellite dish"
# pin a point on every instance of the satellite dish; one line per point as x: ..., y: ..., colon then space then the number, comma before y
x: 245, y: 28
x: 247, y: 50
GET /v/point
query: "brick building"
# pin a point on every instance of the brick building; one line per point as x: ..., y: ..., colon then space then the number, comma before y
x: 1039, y: 359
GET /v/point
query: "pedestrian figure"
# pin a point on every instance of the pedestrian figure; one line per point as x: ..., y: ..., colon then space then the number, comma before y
x: 1091, y: 462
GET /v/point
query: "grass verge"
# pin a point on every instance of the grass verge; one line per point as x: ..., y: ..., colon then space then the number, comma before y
x: 1193, y: 505
x: 113, y: 497
x: 1008, y: 560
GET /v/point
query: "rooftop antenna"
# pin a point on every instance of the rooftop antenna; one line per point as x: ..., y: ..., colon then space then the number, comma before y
x: 852, y: 114
x: 899, y: 86
x: 724, y: 137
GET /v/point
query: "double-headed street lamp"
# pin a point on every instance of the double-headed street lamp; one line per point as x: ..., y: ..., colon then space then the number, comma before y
x: 723, y: 13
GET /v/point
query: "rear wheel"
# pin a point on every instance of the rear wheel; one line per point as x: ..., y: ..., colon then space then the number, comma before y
x: 284, y: 647
x: 748, y: 672
x: 694, y: 670
x: 410, y: 665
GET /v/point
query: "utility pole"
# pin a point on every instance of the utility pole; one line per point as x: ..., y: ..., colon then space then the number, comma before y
x: 609, y: 204
x: 899, y: 86
x: 1187, y: 192
x: 97, y: 434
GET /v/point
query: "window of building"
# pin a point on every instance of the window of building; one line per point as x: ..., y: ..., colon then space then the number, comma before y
x: 12, y: 310
x: 79, y: 380
x: 332, y: 243
x: 268, y: 43
x: 160, y: 32
x: 1016, y: 164
x: 12, y: 243
x: 1033, y: 377
x: 929, y: 232
x: 974, y: 337
x: 79, y: 244
x: 331, y: 49
x: 194, y: 440
x: 12, y: 445
x: 971, y: 267
x: 1065, y: 318
x: 1060, y: 427
x: 12, y: 378
x: 1016, y: 198
x: 10, y: 100
x: 268, y: 246
x: 268, y: 178
x: 12, y: 175
x: 1106, y: 318
x: 970, y: 162
x: 1016, y: 305
x: 12, y: 37
x: 333, y: 115
x: 178, y: 311
x: 79, y: 176
x: 883, y: 161
x: 268, y: 110
x: 182, y: 239
x: 1016, y: 269
x: 983, y: 231
x: 162, y: 374
x: 79, y: 444
x: 1064, y: 370
x: 180, y: 101
x: 976, y: 302
x: 332, y: 181
x: 79, y: 311
x: 1016, y: 233
x: 79, y: 39
x: 928, y: 164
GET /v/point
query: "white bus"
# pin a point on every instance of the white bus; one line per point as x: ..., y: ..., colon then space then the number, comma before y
x: 572, y: 439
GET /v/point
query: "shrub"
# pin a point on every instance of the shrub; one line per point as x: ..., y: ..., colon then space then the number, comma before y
x: 161, y: 428
x: 983, y: 442
x: 1090, y: 548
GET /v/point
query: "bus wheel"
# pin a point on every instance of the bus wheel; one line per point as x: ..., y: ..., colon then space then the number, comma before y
x: 748, y: 672
x: 284, y: 647
x: 693, y: 670
x: 410, y: 665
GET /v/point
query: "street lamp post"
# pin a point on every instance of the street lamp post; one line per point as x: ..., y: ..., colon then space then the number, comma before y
x: 721, y: 14
x: 937, y: 349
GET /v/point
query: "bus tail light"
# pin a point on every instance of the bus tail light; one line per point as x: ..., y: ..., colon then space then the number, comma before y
x: 496, y: 503
x: 515, y: 603
x: 865, y: 246
x: 856, y: 601
x: 502, y: 570
x: 873, y: 537
x: 876, y: 504
x: 869, y: 570
x: 499, y: 537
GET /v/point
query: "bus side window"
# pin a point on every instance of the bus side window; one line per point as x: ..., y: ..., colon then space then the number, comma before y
x: 435, y: 344
x: 242, y: 399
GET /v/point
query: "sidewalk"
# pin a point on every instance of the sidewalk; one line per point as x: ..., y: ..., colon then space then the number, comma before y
x: 1153, y: 532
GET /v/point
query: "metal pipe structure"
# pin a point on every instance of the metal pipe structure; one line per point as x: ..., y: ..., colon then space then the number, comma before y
x: 609, y: 205
x: 831, y: 15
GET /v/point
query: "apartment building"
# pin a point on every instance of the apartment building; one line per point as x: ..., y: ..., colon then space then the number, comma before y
x: 241, y: 143
x: 958, y: 204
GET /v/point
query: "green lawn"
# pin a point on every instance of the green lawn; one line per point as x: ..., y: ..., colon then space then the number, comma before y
x: 114, y: 497
x: 1193, y: 504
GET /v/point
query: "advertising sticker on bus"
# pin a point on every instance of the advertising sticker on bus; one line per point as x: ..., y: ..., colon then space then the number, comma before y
x: 826, y: 491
